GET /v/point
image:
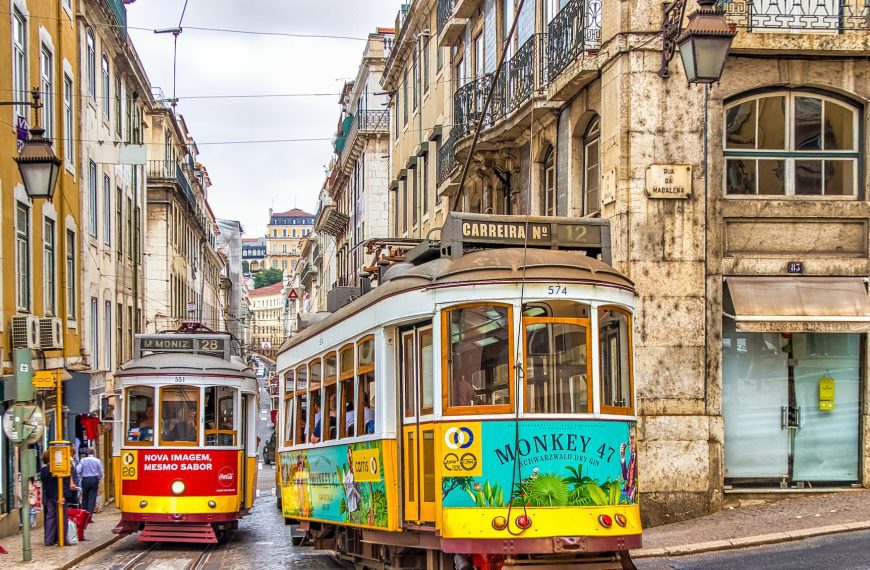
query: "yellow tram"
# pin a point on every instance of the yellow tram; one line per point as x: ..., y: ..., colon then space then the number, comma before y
x: 475, y: 410
x: 186, y: 454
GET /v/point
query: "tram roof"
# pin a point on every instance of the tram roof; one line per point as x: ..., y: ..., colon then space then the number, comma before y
x: 185, y: 363
x: 488, y: 265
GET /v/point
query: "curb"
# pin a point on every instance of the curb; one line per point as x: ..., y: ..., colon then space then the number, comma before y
x: 88, y: 553
x: 743, y: 542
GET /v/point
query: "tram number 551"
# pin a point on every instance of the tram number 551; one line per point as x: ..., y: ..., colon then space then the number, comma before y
x: 557, y: 290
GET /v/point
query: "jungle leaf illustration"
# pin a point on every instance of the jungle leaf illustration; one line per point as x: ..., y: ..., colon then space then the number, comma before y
x: 548, y: 490
x: 448, y: 484
x: 598, y: 496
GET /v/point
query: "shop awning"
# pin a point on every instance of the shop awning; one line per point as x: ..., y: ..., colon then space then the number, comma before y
x: 800, y: 304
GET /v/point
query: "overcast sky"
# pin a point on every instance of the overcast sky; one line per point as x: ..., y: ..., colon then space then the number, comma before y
x: 248, y: 179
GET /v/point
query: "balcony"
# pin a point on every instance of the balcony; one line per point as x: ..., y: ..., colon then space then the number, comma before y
x: 119, y: 11
x: 468, y: 102
x: 834, y: 16
x: 447, y: 157
x: 364, y: 123
x: 574, y: 31
x: 165, y: 170
x: 450, y: 26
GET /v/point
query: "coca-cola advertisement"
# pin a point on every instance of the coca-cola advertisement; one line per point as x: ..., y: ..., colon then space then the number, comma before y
x: 204, y: 472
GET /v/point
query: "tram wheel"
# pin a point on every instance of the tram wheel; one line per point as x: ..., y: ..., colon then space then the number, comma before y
x: 625, y: 560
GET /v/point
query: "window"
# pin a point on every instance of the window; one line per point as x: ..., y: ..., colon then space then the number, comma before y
x: 614, y: 340
x: 107, y: 324
x: 132, y: 329
x: 119, y: 334
x: 415, y: 74
x: 791, y: 144
x: 549, y: 202
x: 92, y: 196
x: 22, y: 256
x: 284, y: 248
x: 220, y: 416
x: 107, y: 209
x: 46, y: 85
x: 119, y: 220
x: 285, y: 232
x: 49, y: 268
x: 140, y: 415
x: 315, y: 420
x: 479, y: 57
x: 426, y: 49
x: 556, y: 348
x: 68, y: 135
x: 284, y: 265
x: 274, y: 248
x: 591, y: 168
x: 289, y: 408
x: 330, y: 387
x: 365, y: 372
x: 404, y: 205
x: 415, y: 196
x: 405, y: 98
x: 301, y: 403
x: 426, y: 368
x: 179, y: 412
x: 129, y: 238
x: 346, y: 381
x: 95, y: 334
x: 118, y: 111
x: 107, y: 96
x: 478, y: 357
x: 424, y: 184
x: 70, y: 275
x: 20, y: 91
x: 91, y: 63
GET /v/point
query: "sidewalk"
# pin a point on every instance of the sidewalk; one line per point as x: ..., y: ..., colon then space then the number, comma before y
x: 98, y: 534
x: 780, y: 521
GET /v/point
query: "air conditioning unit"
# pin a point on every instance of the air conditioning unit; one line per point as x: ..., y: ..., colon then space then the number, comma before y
x: 25, y: 332
x: 50, y: 333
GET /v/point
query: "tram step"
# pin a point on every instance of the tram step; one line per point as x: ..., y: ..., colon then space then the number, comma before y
x: 171, y: 532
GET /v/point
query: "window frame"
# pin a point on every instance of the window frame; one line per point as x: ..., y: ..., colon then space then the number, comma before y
x: 49, y: 258
x: 20, y: 90
x: 71, y: 296
x: 592, y: 137
x: 361, y: 370
x: 23, y: 261
x: 137, y: 443
x: 91, y: 48
x: 159, y: 418
x: 107, y: 210
x: 616, y: 410
x: 789, y: 155
x: 550, y: 202
x: 46, y: 86
x: 345, y: 378
x: 479, y: 410
x: 68, y: 119
x: 106, y: 86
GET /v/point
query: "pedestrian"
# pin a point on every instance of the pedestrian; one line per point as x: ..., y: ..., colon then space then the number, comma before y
x: 50, y: 501
x: 90, y: 471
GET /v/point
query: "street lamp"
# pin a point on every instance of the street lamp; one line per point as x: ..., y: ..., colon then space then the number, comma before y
x: 704, y: 44
x: 38, y: 164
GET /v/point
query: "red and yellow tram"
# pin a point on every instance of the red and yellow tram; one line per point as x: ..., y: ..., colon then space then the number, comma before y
x: 186, y: 456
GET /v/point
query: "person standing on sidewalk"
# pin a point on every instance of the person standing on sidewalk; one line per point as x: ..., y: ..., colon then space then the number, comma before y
x: 50, y: 501
x: 90, y: 472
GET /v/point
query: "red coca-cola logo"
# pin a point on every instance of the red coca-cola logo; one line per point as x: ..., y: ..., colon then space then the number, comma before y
x: 226, y: 476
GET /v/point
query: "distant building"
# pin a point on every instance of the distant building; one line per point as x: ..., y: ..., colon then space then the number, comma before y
x: 253, y: 254
x: 284, y: 238
x: 268, y: 307
x: 229, y: 242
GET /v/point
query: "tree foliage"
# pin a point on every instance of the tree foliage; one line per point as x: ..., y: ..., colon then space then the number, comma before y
x: 267, y: 277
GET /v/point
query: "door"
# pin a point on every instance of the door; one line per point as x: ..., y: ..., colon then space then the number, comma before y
x: 418, y: 430
x: 791, y: 406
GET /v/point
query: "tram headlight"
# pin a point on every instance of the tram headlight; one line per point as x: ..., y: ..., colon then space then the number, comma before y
x: 523, y: 522
x: 499, y: 523
x: 605, y: 521
x: 620, y: 519
x: 177, y: 487
x: 143, y: 504
x: 212, y: 504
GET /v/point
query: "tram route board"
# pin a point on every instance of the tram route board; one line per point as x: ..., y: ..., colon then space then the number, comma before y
x: 210, y: 344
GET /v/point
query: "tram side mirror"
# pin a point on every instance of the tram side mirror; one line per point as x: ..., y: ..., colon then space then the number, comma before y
x: 107, y: 408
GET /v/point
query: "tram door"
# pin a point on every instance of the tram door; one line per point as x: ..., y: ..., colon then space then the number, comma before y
x: 418, y: 431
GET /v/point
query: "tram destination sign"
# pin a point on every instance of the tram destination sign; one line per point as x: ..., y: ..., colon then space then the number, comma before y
x: 463, y: 232
x: 211, y: 344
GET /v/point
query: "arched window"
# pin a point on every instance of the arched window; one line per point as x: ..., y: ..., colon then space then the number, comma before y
x: 91, y: 63
x: 791, y: 144
x: 592, y: 168
x: 549, y: 198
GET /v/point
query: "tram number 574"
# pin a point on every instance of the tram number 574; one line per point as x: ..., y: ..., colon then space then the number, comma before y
x: 557, y: 290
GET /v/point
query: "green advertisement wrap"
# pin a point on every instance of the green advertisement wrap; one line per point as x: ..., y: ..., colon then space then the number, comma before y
x: 539, y: 464
x: 342, y: 483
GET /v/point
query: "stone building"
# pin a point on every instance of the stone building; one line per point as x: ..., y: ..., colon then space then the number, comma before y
x: 284, y: 235
x: 739, y: 211
x: 268, y: 318
x: 182, y: 265
x: 229, y: 243
x: 253, y: 254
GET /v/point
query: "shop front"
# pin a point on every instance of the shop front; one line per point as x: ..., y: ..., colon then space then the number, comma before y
x: 793, y: 379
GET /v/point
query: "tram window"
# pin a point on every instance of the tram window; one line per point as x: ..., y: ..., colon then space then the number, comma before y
x: 301, y: 403
x: 289, y: 409
x: 365, y: 410
x: 289, y: 382
x: 140, y: 414
x: 408, y: 369
x: 346, y: 428
x: 329, y: 426
x: 179, y: 406
x: 614, y: 338
x: 330, y: 370
x: 478, y: 359
x: 220, y: 416
x: 314, y: 417
x: 427, y: 370
x: 556, y: 365
x: 559, y: 309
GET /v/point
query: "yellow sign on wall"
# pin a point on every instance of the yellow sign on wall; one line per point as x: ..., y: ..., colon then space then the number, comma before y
x: 826, y: 394
x: 367, y: 466
x: 45, y: 379
x: 129, y: 465
x: 461, y: 452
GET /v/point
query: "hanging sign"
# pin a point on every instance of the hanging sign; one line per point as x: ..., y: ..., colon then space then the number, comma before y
x: 45, y: 379
x: 826, y: 394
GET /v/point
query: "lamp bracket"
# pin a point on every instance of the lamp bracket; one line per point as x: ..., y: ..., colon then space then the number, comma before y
x: 672, y: 26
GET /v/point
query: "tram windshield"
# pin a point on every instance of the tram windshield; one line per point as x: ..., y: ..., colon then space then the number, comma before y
x: 220, y: 416
x: 140, y: 415
x: 178, y: 415
x: 478, y: 360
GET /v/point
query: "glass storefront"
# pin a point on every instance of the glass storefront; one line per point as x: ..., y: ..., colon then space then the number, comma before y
x: 791, y: 406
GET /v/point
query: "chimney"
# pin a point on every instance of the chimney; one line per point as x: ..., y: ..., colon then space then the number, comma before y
x: 270, y: 215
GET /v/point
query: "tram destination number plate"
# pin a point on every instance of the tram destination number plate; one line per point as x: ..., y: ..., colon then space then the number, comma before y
x: 184, y: 344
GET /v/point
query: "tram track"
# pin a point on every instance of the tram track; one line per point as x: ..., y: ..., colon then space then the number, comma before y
x: 166, y: 551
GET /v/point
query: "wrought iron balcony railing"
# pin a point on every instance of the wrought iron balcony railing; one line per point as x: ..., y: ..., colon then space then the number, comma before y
x: 447, y: 157
x: 521, y: 75
x: 365, y: 122
x: 468, y: 102
x: 814, y: 16
x: 120, y: 12
x: 575, y: 30
x: 445, y: 10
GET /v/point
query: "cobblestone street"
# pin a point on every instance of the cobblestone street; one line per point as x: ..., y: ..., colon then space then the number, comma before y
x: 262, y: 541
